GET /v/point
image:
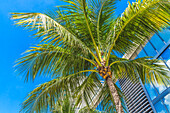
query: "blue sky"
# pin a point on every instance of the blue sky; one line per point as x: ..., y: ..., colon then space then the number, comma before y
x: 14, y: 41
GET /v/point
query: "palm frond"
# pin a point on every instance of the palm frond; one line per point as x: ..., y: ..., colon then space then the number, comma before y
x: 84, y: 23
x: 139, y: 21
x: 149, y: 70
x: 44, y: 97
x: 64, y: 105
x: 87, y: 90
x: 53, y: 29
x: 105, y: 18
x: 92, y: 20
x: 49, y: 28
x: 49, y: 60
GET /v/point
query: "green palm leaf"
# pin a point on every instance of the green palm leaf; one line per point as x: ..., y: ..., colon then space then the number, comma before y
x: 87, y: 90
x: 45, y: 59
x: 145, y: 68
x: 47, y: 25
x: 139, y: 21
x: 46, y: 95
x: 64, y: 105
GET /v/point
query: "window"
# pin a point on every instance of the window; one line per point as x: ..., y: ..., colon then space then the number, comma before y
x: 150, y: 50
x: 165, y: 34
x: 151, y: 91
x: 160, y: 88
x: 141, y: 54
x: 167, y: 101
x: 157, y: 42
x: 166, y: 56
x: 160, y: 107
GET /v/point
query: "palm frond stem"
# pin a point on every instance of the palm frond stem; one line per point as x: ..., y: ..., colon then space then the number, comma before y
x: 88, y: 26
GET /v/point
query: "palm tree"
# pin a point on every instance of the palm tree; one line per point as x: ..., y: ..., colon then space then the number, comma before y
x: 79, y: 43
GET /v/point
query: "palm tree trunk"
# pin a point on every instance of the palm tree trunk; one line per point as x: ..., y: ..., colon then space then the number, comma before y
x: 115, y: 95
